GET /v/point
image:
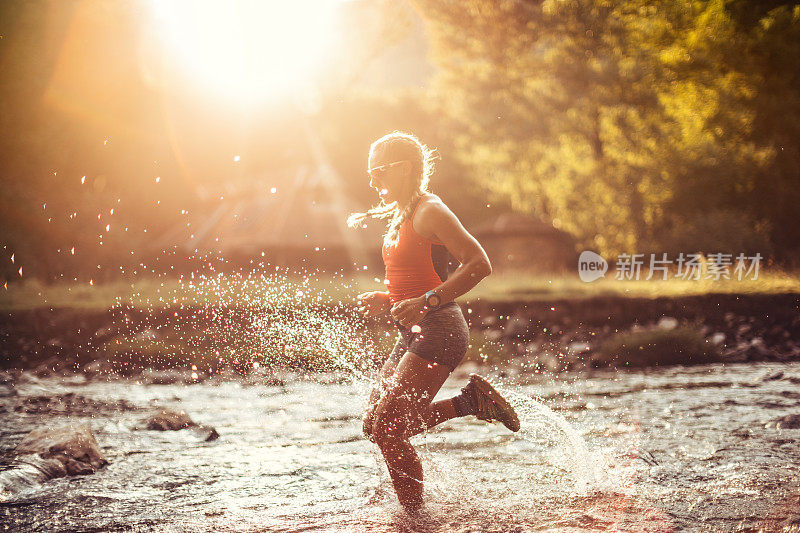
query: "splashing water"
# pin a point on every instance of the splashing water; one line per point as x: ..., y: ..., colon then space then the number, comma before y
x: 278, y: 321
x: 271, y: 321
x: 260, y: 323
x: 536, y: 418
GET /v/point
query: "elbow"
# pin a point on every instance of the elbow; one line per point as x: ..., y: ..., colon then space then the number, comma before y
x: 484, y: 268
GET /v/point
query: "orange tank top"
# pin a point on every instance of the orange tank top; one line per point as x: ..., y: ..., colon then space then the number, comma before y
x: 415, y: 265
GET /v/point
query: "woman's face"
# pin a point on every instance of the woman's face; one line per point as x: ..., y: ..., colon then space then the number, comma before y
x: 388, y: 180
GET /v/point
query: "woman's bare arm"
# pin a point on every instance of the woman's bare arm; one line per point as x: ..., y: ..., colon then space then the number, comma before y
x: 435, y: 220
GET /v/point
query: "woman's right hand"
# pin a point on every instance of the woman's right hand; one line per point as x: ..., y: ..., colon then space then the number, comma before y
x: 373, y: 303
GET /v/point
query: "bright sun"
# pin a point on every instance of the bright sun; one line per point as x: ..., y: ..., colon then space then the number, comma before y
x: 249, y: 50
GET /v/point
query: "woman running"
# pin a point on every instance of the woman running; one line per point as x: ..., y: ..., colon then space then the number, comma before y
x: 433, y: 333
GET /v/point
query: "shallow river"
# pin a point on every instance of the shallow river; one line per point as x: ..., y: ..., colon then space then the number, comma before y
x: 662, y: 450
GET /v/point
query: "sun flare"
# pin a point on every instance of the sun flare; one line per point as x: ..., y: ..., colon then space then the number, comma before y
x: 248, y: 50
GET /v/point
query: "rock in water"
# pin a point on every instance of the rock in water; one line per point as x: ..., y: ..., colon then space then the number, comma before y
x: 73, y: 445
x: 207, y: 433
x: 785, y: 422
x: 48, y: 453
x: 168, y: 420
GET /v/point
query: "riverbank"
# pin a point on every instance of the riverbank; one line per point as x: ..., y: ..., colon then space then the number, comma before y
x: 565, y: 334
x: 212, y: 288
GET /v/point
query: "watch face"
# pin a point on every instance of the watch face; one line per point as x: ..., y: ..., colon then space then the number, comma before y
x: 433, y: 300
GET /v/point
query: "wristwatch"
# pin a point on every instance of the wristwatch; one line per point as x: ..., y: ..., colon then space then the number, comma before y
x: 432, y: 299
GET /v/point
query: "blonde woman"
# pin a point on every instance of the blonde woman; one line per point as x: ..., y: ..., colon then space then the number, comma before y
x: 433, y: 334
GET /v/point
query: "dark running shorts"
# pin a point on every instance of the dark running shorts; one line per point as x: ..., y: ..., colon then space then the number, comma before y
x: 442, y: 339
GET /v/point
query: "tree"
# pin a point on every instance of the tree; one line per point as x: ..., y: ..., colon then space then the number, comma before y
x: 633, y: 125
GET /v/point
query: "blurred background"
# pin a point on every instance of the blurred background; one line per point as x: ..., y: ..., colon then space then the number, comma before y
x: 142, y: 136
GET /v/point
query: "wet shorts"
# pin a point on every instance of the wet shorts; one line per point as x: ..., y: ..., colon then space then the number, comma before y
x: 442, y: 339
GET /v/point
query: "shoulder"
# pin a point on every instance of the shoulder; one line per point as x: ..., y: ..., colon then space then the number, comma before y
x: 430, y: 206
x: 431, y: 214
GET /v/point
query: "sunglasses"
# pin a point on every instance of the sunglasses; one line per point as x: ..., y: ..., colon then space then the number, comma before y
x: 377, y: 172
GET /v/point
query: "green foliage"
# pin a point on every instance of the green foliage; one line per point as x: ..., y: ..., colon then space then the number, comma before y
x: 627, y: 123
x: 683, y: 345
x: 351, y: 121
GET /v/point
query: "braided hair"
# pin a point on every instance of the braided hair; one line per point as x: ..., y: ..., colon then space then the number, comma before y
x: 399, y: 146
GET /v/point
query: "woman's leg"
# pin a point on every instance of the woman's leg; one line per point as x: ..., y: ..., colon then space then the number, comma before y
x: 477, y: 398
x: 435, y: 414
x: 384, y: 380
x: 404, y: 407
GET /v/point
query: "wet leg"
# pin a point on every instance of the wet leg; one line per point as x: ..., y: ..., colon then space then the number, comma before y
x: 385, y: 379
x: 404, y: 406
x: 435, y: 414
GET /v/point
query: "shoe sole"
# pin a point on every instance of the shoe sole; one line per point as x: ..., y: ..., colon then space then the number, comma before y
x: 497, y: 398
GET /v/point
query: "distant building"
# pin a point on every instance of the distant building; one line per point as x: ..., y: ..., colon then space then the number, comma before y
x: 519, y: 242
x: 280, y: 229
x: 302, y: 225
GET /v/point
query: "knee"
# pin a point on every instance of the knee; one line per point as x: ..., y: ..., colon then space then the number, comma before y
x: 387, y: 431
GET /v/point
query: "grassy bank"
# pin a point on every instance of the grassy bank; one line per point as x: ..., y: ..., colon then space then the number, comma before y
x: 246, y: 291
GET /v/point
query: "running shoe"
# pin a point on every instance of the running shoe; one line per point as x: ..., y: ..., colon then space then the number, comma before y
x: 490, y: 404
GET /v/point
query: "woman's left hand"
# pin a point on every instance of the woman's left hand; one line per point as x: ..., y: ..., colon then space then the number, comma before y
x: 409, y: 312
